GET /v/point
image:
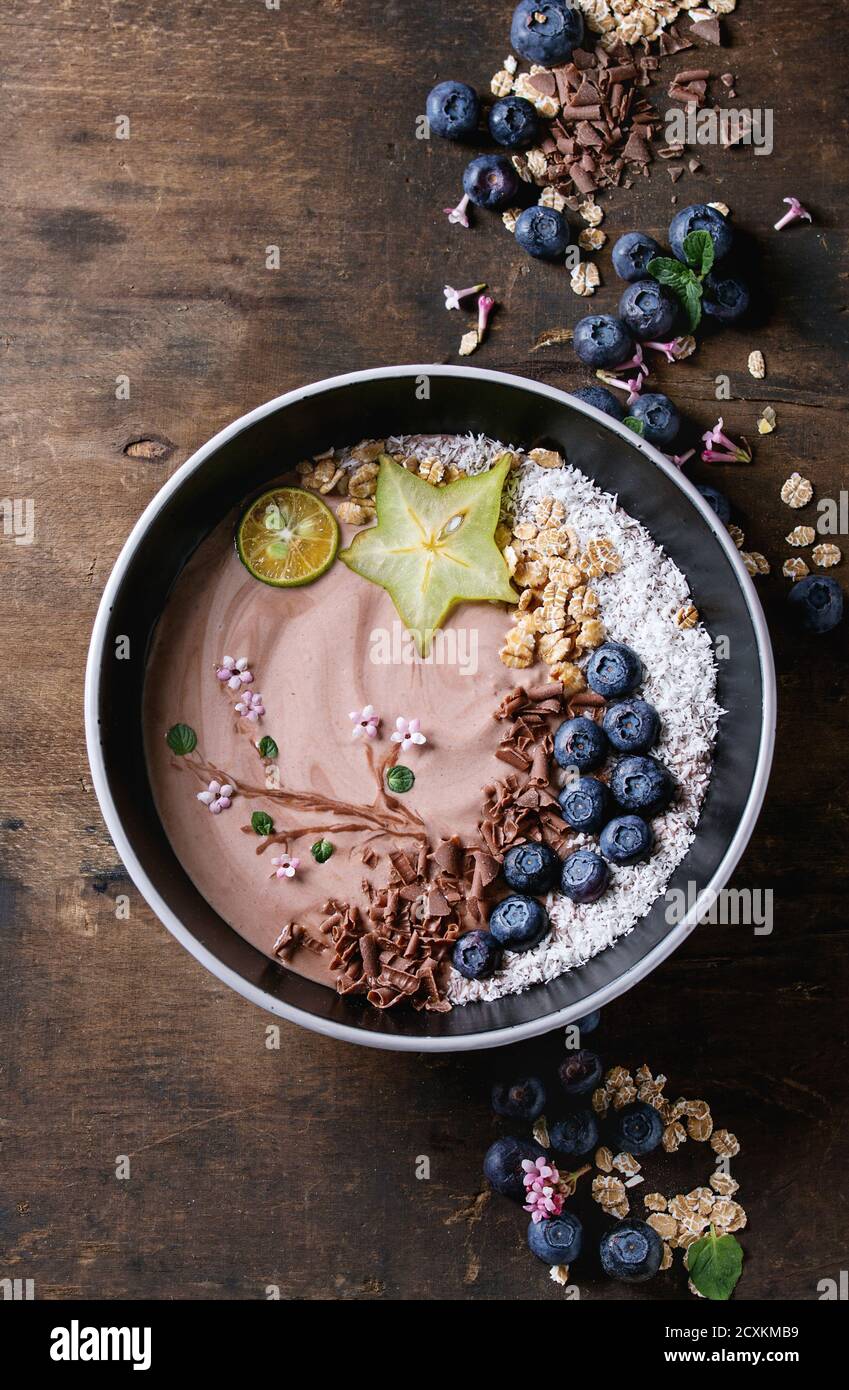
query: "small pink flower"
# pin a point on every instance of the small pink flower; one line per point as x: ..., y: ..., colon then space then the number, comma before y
x: 729, y: 452
x: 542, y: 1181
x: 633, y: 386
x: 486, y: 304
x: 365, y: 722
x: 284, y: 866
x: 234, y: 671
x: 458, y: 215
x: 217, y: 797
x: 250, y: 706
x: 407, y: 732
x: 453, y: 297
x: 795, y: 211
x: 680, y: 459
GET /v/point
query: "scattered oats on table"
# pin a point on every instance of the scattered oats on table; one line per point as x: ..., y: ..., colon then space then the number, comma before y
x: 591, y: 239
x: 737, y: 536
x: 797, y: 491
x: 724, y: 1143
x: 604, y: 1160
x: 767, y: 420
x: 591, y: 212
x: 550, y: 198
x: 801, y: 535
x: 665, y: 1225
x: 723, y: 1184
x: 655, y: 1201
x: 757, y: 366
x: 721, y: 207
x: 755, y: 562
x: 585, y: 279
x: 559, y: 1273
x: 469, y: 343
x: 794, y: 568
x: 510, y: 218
x: 825, y: 555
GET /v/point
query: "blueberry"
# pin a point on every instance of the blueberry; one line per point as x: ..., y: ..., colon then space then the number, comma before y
x: 546, y: 32
x: 522, y: 1100
x: 584, y: 876
x: 660, y: 419
x: 725, y: 298
x: 700, y: 218
x: 636, y: 1128
x: 589, y: 1022
x: 602, y: 399
x: 613, y: 669
x: 542, y: 232
x: 580, y: 1073
x: 513, y: 122
x: 626, y: 840
x: 817, y: 603
x: 717, y: 500
x: 648, y: 309
x: 632, y: 725
x: 502, y: 1164
x: 585, y: 805
x: 556, y: 1239
x: 476, y: 955
x: 602, y: 341
x: 576, y: 1135
x: 453, y: 110
x: 518, y: 923
x: 491, y: 181
x: 631, y: 1251
x: 632, y: 253
x: 642, y: 784
x: 580, y: 743
x: 531, y: 868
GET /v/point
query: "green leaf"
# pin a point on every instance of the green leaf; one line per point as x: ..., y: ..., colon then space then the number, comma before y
x: 714, y: 1264
x: 700, y: 252
x: 399, y: 779
x: 669, y: 272
x: 267, y: 747
x: 181, y: 739
x: 262, y: 823
x: 634, y: 424
x: 691, y: 302
x: 684, y: 283
x: 321, y: 851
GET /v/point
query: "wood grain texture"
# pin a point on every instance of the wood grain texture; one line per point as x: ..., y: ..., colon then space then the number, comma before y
x: 146, y: 258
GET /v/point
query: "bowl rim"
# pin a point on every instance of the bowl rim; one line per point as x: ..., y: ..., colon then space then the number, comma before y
x: 348, y: 1033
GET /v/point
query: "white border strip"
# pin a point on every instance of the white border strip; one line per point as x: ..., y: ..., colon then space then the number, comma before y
x: 471, y: 1041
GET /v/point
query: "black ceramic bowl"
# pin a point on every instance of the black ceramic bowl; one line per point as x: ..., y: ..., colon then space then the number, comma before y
x: 258, y: 448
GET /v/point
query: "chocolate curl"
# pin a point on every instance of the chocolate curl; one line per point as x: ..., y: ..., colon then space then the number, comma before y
x: 447, y: 856
x: 369, y: 954
x: 539, y: 767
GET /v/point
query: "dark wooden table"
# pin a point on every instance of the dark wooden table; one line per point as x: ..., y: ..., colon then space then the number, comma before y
x: 143, y: 259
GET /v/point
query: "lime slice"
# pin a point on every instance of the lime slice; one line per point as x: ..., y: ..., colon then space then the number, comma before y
x: 287, y: 537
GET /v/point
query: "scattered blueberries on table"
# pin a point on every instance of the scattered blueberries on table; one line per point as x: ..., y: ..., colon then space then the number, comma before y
x: 556, y: 1239
x: 602, y: 399
x: 659, y: 418
x: 717, y: 500
x: 602, y: 341
x: 636, y: 1129
x: 513, y: 123
x: 580, y: 1073
x: 584, y: 876
x: 613, y: 669
x: 632, y: 725
x: 521, y: 1100
x: 490, y: 181
x: 700, y: 218
x: 453, y: 110
x: 546, y: 31
x: 817, y: 603
x: 575, y: 1136
x: 648, y: 309
x: 518, y: 923
x: 531, y: 867
x: 589, y: 1022
x: 502, y: 1164
x: 626, y: 840
x: 642, y: 785
x: 632, y: 1251
x: 632, y: 253
x: 476, y: 955
x: 542, y: 232
x: 725, y: 298
x: 580, y: 743
x: 585, y: 805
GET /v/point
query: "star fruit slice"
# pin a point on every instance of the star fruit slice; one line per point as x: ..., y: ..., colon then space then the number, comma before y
x: 434, y: 547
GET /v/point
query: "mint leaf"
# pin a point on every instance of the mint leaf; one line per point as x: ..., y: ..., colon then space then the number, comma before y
x: 181, y: 739
x: 714, y: 1264
x: 399, y: 779
x: 634, y: 424
x: 267, y: 747
x: 262, y: 823
x: 321, y: 851
x: 668, y: 271
x: 700, y: 252
x: 691, y: 302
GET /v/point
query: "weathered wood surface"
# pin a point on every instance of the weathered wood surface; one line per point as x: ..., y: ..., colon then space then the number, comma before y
x: 146, y: 258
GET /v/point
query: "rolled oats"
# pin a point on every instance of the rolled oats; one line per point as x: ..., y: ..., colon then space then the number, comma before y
x: 585, y: 279
x: 699, y: 1127
x: 573, y: 681
x: 608, y: 1191
x: 666, y: 1258
x: 826, y: 555
x: 687, y: 617
x: 665, y: 1225
x: 757, y: 366
x: 722, y: 208
x: 724, y: 1143
x: 601, y: 557
x: 540, y: 1132
x: 755, y: 562
x: 616, y: 1077
x: 354, y: 513
x: 601, y: 1096
x: 737, y: 536
x: 590, y: 211
x: 510, y: 218
x: 723, y: 1183
x: 797, y: 491
x: 626, y: 1164
x: 469, y: 343
x: 547, y: 458
x: 604, y: 1160
x: 559, y: 1273
x: 767, y: 420
x: 655, y: 1201
x: 550, y: 198
x: 501, y: 83
x: 591, y: 239
x: 624, y: 1095
x: 673, y: 1137
x: 801, y: 535
x: 728, y: 1216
